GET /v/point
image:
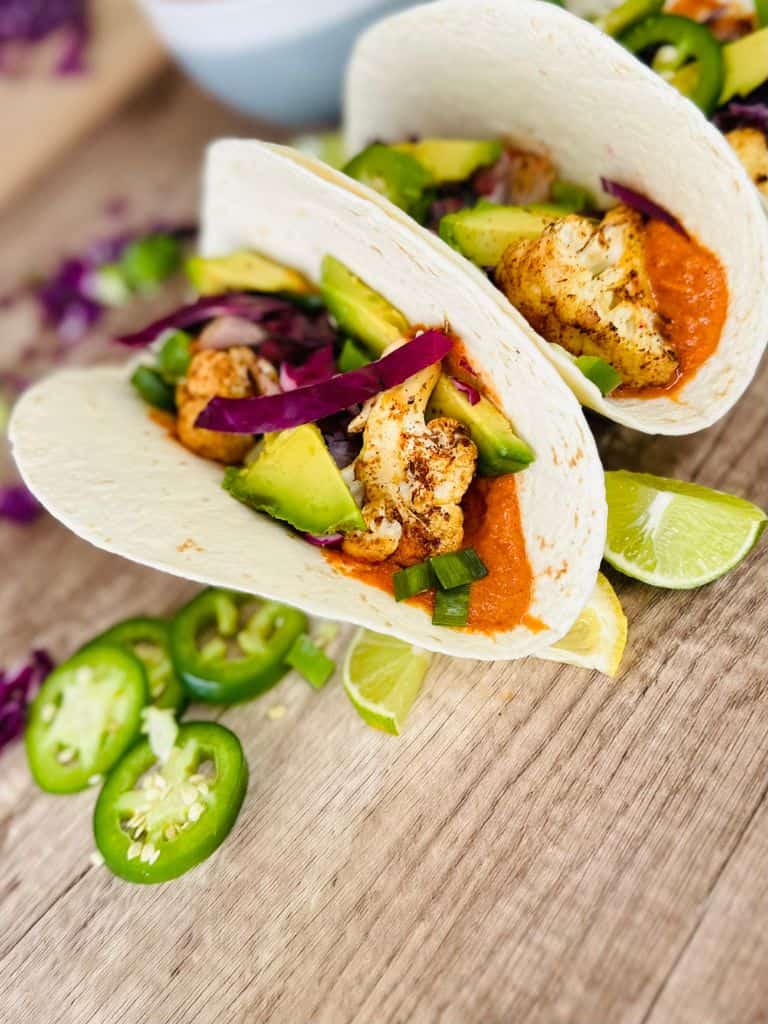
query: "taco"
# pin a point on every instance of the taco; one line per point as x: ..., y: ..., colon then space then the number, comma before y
x: 398, y: 454
x: 612, y: 216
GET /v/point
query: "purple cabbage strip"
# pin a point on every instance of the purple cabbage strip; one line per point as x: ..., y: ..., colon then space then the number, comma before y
x: 18, y: 504
x: 637, y: 201
x: 343, y: 446
x: 471, y: 394
x: 28, y: 22
x: 327, y: 540
x: 17, y: 688
x: 319, y: 366
x: 314, y: 402
x: 742, y: 114
x: 283, y: 320
x: 64, y: 300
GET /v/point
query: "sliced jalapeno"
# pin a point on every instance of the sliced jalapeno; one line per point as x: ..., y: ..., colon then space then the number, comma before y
x: 691, y: 42
x: 87, y: 713
x: 222, y: 657
x: 148, y: 640
x: 153, y: 821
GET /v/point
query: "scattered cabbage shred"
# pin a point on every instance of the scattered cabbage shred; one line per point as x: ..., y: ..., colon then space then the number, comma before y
x: 24, y: 23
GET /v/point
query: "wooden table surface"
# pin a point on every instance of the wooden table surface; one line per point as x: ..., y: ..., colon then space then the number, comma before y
x: 542, y: 845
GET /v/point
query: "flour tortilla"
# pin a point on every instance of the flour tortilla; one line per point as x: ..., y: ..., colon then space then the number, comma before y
x: 554, y: 83
x: 88, y: 449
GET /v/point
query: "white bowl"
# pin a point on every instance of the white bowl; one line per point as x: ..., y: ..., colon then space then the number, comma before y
x: 279, y: 59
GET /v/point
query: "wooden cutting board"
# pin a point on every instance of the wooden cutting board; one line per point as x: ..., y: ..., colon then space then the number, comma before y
x: 42, y: 114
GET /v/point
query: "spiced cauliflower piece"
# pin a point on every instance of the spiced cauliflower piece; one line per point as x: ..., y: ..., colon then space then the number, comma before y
x: 414, y: 475
x: 586, y: 287
x: 751, y: 148
x: 228, y: 373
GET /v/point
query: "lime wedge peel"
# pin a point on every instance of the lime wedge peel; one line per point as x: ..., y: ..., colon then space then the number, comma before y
x: 676, y: 535
x: 598, y: 637
x: 382, y: 677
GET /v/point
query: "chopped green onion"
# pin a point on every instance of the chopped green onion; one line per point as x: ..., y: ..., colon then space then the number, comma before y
x: 457, y: 568
x: 601, y: 373
x: 153, y: 389
x: 149, y: 261
x: 574, y: 197
x: 352, y: 356
x: 310, y: 662
x: 174, y: 357
x: 451, y: 607
x: 413, y: 580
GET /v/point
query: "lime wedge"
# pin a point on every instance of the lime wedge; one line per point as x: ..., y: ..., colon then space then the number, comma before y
x: 598, y: 637
x: 673, y: 534
x: 382, y: 677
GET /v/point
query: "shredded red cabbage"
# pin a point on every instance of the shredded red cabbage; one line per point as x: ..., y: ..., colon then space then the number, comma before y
x: 316, y: 401
x: 18, y: 504
x: 283, y: 320
x: 470, y: 393
x: 343, y: 446
x: 65, y: 303
x: 319, y: 366
x: 68, y: 301
x: 641, y: 203
x: 330, y: 540
x: 742, y: 114
x: 227, y: 331
x: 17, y: 688
x: 26, y: 22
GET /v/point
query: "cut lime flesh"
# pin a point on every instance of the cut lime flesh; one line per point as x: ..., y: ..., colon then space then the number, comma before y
x: 382, y: 678
x: 673, y: 534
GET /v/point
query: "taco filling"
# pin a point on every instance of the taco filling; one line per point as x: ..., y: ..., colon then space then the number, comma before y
x: 637, y: 302
x: 372, y: 438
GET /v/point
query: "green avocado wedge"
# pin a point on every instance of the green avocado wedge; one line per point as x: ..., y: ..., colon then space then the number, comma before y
x: 275, y: 482
x: 452, y: 160
x: 499, y: 448
x: 484, y: 232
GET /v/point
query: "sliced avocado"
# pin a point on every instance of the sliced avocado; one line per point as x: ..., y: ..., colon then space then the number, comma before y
x: 499, y: 448
x: 397, y: 176
x: 746, y: 65
x: 484, y: 232
x: 358, y: 309
x: 244, y: 271
x: 352, y: 356
x: 294, y: 478
x: 368, y: 316
x: 450, y: 160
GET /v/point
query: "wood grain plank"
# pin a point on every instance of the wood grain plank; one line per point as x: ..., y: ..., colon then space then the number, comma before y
x: 542, y: 846
x: 45, y: 114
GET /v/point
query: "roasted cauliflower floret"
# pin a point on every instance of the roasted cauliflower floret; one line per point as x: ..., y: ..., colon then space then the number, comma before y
x: 414, y: 475
x: 585, y: 286
x: 751, y: 148
x: 229, y: 373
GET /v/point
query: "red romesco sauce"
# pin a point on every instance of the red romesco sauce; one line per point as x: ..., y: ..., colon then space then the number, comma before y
x: 492, y: 526
x: 691, y: 292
